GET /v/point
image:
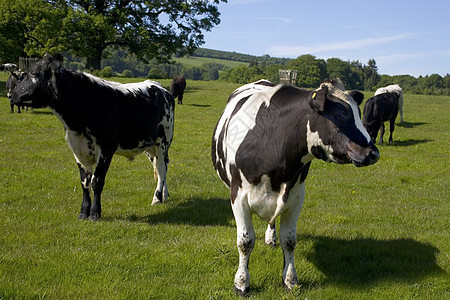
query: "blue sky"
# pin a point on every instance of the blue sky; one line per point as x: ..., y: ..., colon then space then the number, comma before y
x: 403, y: 36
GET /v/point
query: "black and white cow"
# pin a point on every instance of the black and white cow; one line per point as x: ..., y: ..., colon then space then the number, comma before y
x: 102, y: 118
x: 377, y: 110
x: 8, y: 67
x: 177, y: 87
x: 13, y: 80
x: 262, y: 148
x: 393, y: 88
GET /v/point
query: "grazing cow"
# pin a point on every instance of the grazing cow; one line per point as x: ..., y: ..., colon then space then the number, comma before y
x: 13, y: 80
x: 393, y: 88
x: 8, y: 67
x: 377, y: 110
x: 102, y: 118
x: 262, y: 148
x: 177, y: 88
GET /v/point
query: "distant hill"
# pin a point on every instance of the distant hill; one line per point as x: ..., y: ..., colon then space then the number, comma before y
x: 239, y: 57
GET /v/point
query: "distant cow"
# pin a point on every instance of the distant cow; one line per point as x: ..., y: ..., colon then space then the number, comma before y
x: 393, y: 88
x: 13, y: 80
x: 177, y: 88
x: 8, y: 67
x: 262, y: 149
x: 377, y: 110
x: 103, y: 118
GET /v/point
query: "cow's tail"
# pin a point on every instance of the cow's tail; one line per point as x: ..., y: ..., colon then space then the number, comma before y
x: 155, y: 169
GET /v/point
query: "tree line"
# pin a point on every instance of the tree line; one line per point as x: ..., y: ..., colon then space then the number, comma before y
x: 354, y: 74
x: 311, y: 71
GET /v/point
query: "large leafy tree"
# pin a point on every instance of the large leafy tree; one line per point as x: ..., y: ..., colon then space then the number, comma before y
x: 151, y: 29
x: 311, y: 71
x: 29, y: 27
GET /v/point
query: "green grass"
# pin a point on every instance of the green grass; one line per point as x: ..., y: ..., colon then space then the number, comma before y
x: 379, y: 232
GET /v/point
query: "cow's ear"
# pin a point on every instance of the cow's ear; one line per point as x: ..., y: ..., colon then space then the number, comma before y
x: 318, y: 99
x: 59, y: 57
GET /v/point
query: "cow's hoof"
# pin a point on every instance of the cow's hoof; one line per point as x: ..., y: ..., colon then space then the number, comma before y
x: 83, y: 216
x: 156, y: 201
x: 94, y: 217
x: 242, y: 293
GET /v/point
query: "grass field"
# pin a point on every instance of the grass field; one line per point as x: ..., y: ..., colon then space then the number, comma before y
x: 380, y: 232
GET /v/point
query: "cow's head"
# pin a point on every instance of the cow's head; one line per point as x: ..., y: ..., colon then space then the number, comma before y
x: 335, y: 131
x: 38, y: 88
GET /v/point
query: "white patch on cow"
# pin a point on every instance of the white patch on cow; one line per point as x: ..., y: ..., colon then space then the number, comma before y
x: 127, y: 88
x: 85, y: 149
x: 313, y: 139
x: 34, y: 80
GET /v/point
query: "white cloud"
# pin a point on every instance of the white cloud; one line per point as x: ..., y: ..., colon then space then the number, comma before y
x: 349, y: 45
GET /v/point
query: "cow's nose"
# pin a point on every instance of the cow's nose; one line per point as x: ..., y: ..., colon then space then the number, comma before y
x: 374, y: 154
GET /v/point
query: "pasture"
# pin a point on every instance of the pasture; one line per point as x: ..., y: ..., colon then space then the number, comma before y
x: 380, y: 232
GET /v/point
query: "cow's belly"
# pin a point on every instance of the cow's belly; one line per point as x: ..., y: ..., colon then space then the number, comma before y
x: 269, y: 204
x: 84, y: 148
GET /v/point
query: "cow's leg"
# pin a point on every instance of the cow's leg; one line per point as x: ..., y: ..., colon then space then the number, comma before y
x: 85, y: 177
x: 381, y: 133
x: 158, y: 156
x: 18, y: 110
x: 288, y: 238
x: 271, y: 235
x: 245, y: 242
x: 12, y: 107
x: 180, y: 98
x: 98, y: 182
x: 391, y: 130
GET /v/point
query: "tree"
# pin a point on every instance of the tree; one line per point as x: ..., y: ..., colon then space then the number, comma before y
x: 27, y: 27
x: 149, y: 29
x: 370, y: 73
x: 311, y: 71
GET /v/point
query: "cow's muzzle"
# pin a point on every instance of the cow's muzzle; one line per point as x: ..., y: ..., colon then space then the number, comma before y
x: 366, y: 157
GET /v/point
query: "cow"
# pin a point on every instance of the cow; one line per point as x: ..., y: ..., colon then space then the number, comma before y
x: 393, y: 88
x: 8, y: 67
x: 177, y: 87
x: 13, y: 80
x: 262, y: 148
x: 377, y: 110
x: 103, y: 118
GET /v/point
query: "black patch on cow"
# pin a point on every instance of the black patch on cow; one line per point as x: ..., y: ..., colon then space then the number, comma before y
x: 236, y: 182
x: 219, y: 160
x: 319, y: 153
x: 277, y: 143
x: 239, y: 106
x: 265, y: 83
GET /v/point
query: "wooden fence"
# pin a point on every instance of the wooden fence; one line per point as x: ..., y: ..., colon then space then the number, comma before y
x: 288, y: 76
x: 25, y: 63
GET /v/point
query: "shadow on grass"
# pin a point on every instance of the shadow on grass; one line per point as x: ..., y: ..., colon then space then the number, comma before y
x: 406, y: 143
x: 366, y: 261
x: 199, y: 105
x: 197, y: 212
x: 410, y: 124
